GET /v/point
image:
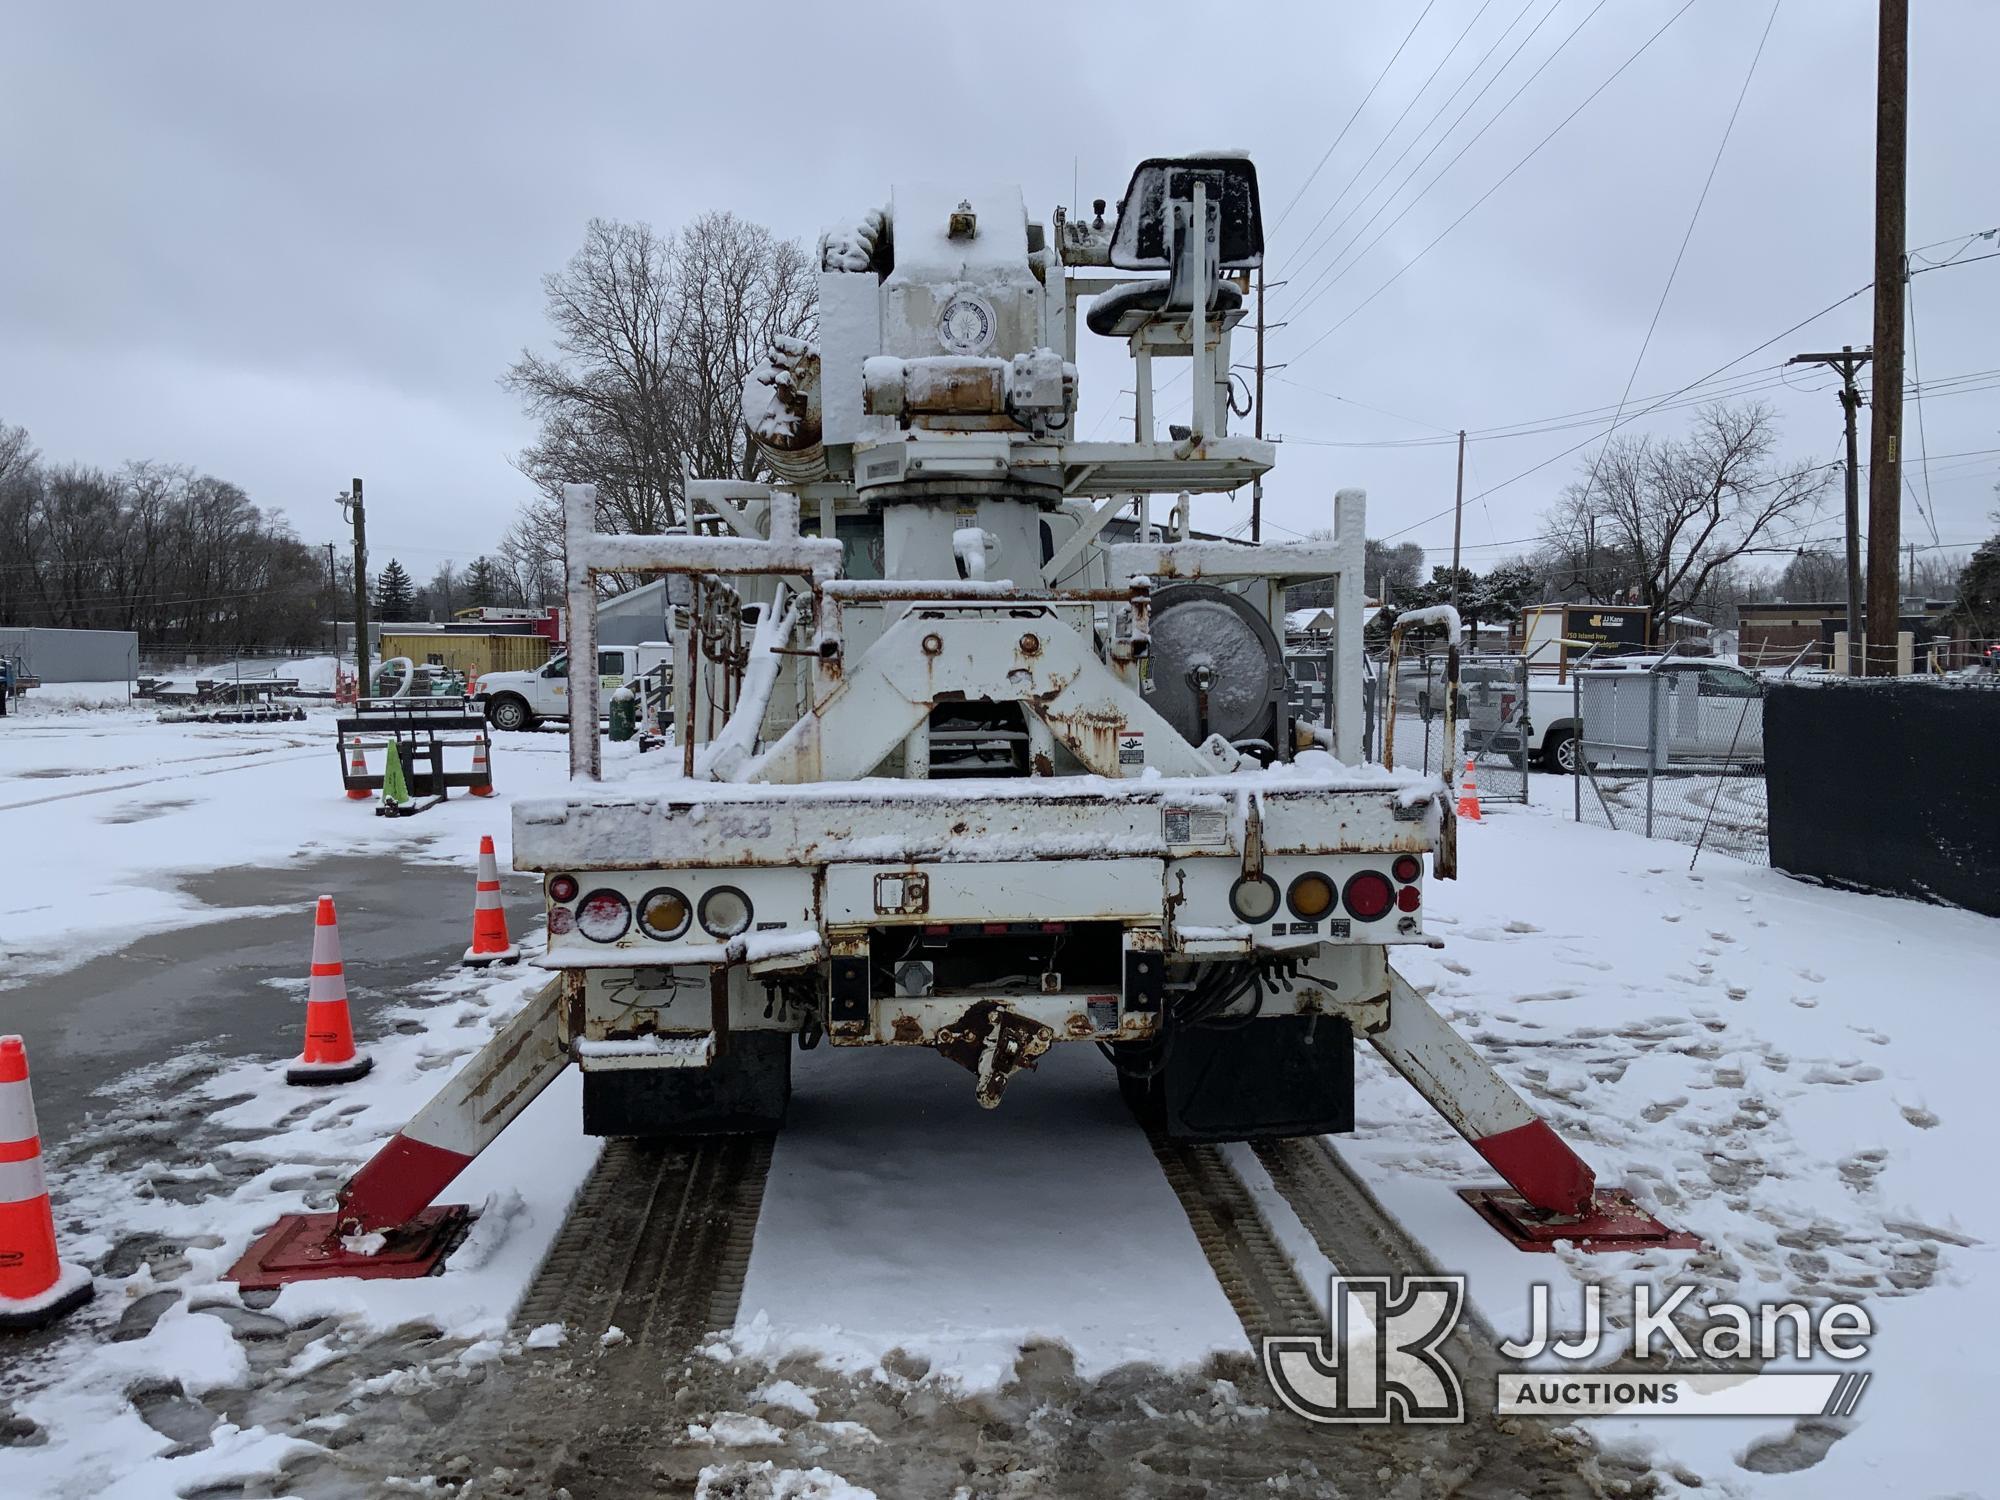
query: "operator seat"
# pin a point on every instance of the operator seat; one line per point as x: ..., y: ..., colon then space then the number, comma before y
x: 1155, y: 231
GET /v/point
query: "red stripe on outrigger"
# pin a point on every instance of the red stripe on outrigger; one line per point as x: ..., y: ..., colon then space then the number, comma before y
x: 1539, y: 1167
x: 405, y: 1176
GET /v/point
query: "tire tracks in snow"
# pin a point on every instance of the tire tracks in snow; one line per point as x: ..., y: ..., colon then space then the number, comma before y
x: 238, y: 761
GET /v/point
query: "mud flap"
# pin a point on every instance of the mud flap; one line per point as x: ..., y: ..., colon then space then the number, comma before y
x: 1273, y: 1078
x: 744, y: 1090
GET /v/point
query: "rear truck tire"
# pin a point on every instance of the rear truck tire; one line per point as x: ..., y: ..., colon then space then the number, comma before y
x: 510, y: 712
x: 1271, y: 1079
x: 1559, y: 754
x: 743, y: 1091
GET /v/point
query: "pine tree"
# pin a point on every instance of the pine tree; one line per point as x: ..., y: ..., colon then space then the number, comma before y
x: 1976, y: 612
x: 481, y: 583
x: 395, y: 595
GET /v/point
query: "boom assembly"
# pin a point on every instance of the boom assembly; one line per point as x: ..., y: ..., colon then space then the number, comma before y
x: 978, y: 747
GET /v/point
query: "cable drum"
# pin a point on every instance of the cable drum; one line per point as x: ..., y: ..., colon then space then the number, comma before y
x: 1198, y: 628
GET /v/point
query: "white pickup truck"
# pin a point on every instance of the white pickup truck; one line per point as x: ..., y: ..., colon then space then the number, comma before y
x: 521, y: 700
x: 1699, y: 726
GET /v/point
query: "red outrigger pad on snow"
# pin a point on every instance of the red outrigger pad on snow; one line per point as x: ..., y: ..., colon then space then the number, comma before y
x: 1614, y: 1222
x: 306, y: 1247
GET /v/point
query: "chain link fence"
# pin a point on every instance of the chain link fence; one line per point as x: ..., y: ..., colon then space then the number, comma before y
x: 1673, y: 748
x: 1492, y: 714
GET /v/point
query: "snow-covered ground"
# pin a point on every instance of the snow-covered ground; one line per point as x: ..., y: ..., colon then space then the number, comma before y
x: 105, y: 807
x: 1797, y: 1075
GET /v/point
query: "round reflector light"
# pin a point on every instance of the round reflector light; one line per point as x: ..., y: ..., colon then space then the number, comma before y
x: 603, y: 916
x: 1368, y: 896
x: 562, y: 888
x: 1254, y: 898
x: 1409, y: 898
x: 724, y: 912
x: 561, y: 920
x: 1407, y: 868
x: 1310, y: 896
x: 664, y: 914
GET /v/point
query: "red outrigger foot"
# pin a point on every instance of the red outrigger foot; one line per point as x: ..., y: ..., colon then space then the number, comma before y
x: 305, y: 1247
x: 1614, y: 1222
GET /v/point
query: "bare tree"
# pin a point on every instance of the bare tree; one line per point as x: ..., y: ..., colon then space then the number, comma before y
x: 653, y: 337
x: 1659, y: 521
x: 157, y: 548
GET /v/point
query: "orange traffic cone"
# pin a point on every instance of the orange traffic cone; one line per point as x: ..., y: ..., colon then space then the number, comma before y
x: 36, y: 1288
x: 357, y: 765
x: 490, y: 944
x: 1468, y: 795
x: 483, y: 787
x: 329, y: 1055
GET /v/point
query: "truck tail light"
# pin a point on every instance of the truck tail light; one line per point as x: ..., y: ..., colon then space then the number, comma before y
x: 1409, y: 898
x: 1254, y: 898
x: 562, y: 888
x: 603, y: 916
x: 1407, y: 868
x: 1368, y: 896
x: 1310, y: 897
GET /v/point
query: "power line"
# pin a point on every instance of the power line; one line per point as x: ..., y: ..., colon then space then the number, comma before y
x: 1533, y: 151
x: 1590, y: 484
x: 1928, y: 510
x: 1328, y: 154
x: 1759, y: 349
x: 1389, y: 134
x: 1301, y: 301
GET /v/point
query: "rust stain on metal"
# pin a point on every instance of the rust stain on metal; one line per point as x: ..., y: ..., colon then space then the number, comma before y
x: 993, y: 1042
x: 1043, y: 766
x: 1077, y: 1026
x: 908, y: 1031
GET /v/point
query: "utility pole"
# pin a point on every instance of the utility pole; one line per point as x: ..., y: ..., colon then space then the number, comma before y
x: 1848, y: 363
x: 351, y: 507
x: 1257, y: 484
x: 1885, y: 431
x: 332, y: 588
x: 1457, y: 517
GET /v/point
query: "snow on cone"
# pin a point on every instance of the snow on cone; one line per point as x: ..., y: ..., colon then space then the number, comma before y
x: 490, y: 944
x: 483, y: 769
x: 1468, y: 795
x: 329, y: 1055
x: 357, y: 767
x: 36, y: 1287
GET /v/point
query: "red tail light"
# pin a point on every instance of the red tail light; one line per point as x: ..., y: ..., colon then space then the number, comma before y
x: 1409, y: 898
x: 562, y: 888
x: 1368, y: 896
x: 1407, y: 867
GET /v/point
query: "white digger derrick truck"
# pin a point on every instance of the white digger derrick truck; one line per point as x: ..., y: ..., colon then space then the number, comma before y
x: 973, y: 753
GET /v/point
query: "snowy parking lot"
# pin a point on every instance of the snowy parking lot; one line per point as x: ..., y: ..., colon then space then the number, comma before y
x: 1793, y: 1074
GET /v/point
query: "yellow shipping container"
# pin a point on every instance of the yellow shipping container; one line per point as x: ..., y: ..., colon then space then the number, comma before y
x: 474, y: 655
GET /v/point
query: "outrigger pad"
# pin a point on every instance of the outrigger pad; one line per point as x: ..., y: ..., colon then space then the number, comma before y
x: 1615, y: 1222
x: 303, y: 1247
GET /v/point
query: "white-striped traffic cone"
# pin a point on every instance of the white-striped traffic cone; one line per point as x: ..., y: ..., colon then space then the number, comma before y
x: 36, y: 1287
x: 329, y: 1055
x: 357, y: 768
x: 482, y: 768
x: 490, y: 944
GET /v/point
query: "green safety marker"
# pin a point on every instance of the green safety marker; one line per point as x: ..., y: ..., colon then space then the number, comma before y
x: 395, y: 791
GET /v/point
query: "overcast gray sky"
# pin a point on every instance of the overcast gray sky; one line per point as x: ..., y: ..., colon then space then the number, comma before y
x: 288, y: 247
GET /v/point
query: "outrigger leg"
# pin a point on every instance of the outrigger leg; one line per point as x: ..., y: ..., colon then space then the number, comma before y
x: 1552, y: 1193
x: 384, y: 1224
